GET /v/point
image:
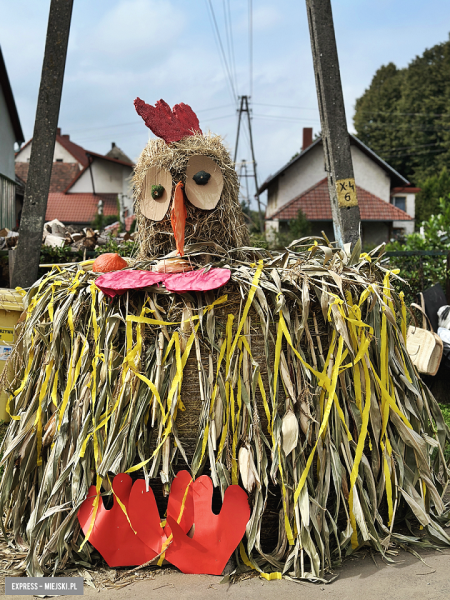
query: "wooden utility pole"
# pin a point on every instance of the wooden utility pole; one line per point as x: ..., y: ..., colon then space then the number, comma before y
x: 243, y: 108
x: 26, y: 263
x: 336, y: 141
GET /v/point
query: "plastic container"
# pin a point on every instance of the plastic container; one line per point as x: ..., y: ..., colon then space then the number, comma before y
x: 11, y: 307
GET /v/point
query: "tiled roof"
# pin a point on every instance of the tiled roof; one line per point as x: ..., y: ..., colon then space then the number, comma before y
x: 62, y: 174
x: 315, y: 204
x: 78, y: 208
x: 75, y: 150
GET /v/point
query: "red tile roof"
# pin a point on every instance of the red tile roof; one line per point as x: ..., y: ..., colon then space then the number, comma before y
x: 315, y: 204
x: 62, y: 174
x: 79, y: 208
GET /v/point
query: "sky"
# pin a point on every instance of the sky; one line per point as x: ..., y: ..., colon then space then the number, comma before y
x: 121, y: 49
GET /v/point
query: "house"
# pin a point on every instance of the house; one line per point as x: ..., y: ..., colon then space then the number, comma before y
x: 10, y: 134
x: 83, y: 183
x: 386, y: 198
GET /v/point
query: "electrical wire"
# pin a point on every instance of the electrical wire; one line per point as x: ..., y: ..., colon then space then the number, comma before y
x: 229, y: 38
x: 284, y: 106
x: 221, y: 49
x: 417, y: 153
x: 139, y: 122
x: 250, y: 46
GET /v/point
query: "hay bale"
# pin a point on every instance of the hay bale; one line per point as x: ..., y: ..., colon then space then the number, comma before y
x: 310, y: 330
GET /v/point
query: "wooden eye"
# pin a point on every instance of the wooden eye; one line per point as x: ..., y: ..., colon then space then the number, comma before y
x: 156, y: 193
x: 204, y: 182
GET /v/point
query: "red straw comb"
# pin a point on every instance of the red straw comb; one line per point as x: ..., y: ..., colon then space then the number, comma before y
x: 169, y: 125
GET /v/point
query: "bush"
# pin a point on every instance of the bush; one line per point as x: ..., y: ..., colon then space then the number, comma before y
x: 423, y: 272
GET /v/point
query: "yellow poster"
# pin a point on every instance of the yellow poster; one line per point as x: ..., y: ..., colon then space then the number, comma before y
x: 6, y: 342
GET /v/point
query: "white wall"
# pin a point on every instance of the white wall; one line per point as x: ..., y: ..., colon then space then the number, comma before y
x: 298, y: 178
x: 370, y: 176
x: 109, y: 178
x: 408, y: 226
x: 7, y: 140
x: 60, y: 153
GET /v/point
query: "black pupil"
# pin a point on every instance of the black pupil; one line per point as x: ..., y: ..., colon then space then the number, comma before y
x: 201, y: 178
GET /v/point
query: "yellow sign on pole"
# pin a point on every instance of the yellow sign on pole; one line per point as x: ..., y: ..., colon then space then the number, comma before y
x: 346, y: 192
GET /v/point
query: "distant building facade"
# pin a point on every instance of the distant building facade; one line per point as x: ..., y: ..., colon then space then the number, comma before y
x: 386, y: 198
x: 83, y: 183
x: 10, y: 134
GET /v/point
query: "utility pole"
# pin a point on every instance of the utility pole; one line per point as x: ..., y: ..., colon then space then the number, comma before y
x: 336, y: 141
x: 41, y: 160
x: 243, y: 108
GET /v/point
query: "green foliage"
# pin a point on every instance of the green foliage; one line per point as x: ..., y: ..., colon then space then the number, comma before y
x: 102, y: 221
x: 252, y: 218
x: 427, y: 200
x: 127, y: 248
x: 258, y: 240
x: 296, y: 228
x: 65, y: 254
x: 423, y: 272
x: 404, y: 114
x: 445, y: 408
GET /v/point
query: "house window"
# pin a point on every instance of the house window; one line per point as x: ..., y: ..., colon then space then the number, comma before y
x: 59, y: 160
x: 399, y: 202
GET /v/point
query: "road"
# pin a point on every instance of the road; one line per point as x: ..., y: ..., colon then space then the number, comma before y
x: 363, y: 577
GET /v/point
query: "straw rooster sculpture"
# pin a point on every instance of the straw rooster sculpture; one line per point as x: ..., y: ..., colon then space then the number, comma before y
x: 186, y: 187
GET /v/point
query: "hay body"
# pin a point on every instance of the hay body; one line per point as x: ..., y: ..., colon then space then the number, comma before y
x: 40, y: 503
x: 223, y: 225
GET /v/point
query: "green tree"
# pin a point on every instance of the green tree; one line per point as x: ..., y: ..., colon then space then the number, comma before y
x: 404, y: 115
x: 427, y: 200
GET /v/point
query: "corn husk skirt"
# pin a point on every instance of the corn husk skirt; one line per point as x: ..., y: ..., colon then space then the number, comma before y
x: 292, y: 381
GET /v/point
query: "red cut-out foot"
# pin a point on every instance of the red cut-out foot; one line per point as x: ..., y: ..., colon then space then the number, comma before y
x: 144, y: 515
x: 112, y: 534
x: 215, y: 536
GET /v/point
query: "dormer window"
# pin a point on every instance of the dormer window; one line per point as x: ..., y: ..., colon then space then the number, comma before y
x: 399, y: 202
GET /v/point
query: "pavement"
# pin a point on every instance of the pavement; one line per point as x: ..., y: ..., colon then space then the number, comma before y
x: 364, y: 576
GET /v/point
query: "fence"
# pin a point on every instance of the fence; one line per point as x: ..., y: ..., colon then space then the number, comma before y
x: 7, y: 202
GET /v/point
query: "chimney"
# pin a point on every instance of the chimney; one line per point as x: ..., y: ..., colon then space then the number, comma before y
x: 113, y: 145
x: 58, y: 131
x: 66, y: 136
x: 307, y: 137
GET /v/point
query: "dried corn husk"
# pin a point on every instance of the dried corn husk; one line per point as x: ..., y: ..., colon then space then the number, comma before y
x: 247, y: 469
x: 245, y: 366
x: 289, y: 429
x: 172, y: 265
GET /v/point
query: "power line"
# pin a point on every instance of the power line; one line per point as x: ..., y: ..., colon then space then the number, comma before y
x: 221, y: 49
x: 229, y: 37
x: 283, y: 118
x: 139, y: 122
x: 417, y: 153
x: 379, y: 112
x: 284, y: 106
x: 409, y: 147
x: 250, y: 46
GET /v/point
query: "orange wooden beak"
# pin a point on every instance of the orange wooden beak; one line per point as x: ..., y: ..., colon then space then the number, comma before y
x: 178, y: 217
